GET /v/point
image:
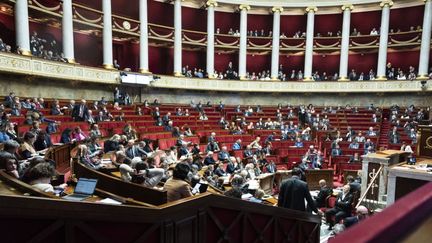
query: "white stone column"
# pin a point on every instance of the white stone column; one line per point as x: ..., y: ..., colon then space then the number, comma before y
x: 144, y: 62
x: 67, y: 30
x: 343, y: 64
x: 425, y: 43
x: 177, y: 38
x: 211, y: 4
x: 382, y: 52
x: 275, y: 42
x: 107, y: 35
x: 243, y: 41
x: 309, y: 43
x: 22, y: 27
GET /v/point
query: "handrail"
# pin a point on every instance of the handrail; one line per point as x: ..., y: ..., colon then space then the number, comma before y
x: 370, y: 185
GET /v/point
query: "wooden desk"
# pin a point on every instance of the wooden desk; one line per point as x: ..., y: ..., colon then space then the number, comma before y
x: 266, y: 182
x: 403, y: 179
x: 314, y: 176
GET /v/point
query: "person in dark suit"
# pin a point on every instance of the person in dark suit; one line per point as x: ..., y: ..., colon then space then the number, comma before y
x: 342, y: 208
x: 80, y: 111
x: 293, y: 193
x: 324, y: 192
x: 271, y: 167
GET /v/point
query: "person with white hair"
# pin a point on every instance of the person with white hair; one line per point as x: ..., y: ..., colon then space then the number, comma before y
x: 361, y: 213
x: 209, y: 160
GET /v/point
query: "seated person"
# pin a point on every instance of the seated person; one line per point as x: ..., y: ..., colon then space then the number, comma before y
x: 298, y: 143
x: 371, y: 132
x: 212, y: 146
x: 354, y: 145
x: 40, y: 177
x: 336, y: 151
x: 43, y: 141
x: 78, y: 134
x: 223, y: 155
x: 362, y: 213
x: 237, y: 145
x: 88, y: 159
x: 9, y: 163
x: 209, y: 160
x: 342, y: 208
x: 324, y: 192
x: 112, y: 144
x: 126, y: 171
x: 150, y: 176
x: 219, y: 171
x: 177, y: 187
x: 27, y: 150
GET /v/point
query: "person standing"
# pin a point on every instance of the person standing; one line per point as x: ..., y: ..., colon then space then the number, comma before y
x: 293, y: 193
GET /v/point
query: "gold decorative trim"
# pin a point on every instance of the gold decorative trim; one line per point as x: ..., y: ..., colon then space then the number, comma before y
x: 343, y: 79
x: 388, y: 3
x: 108, y: 66
x: 244, y: 7
x: 277, y: 9
x: 275, y: 79
x: 308, y: 79
x: 422, y: 77
x: 211, y: 3
x: 381, y: 78
x: 178, y: 74
x: 71, y: 60
x: 311, y: 9
x: 347, y: 6
x: 243, y: 77
x: 25, y: 52
x: 144, y: 71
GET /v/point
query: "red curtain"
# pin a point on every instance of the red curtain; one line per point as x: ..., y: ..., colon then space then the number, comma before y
x: 161, y: 60
x: 404, y: 18
x: 260, y: 22
x: 291, y: 62
x: 194, y: 59
x: 194, y: 19
x: 222, y: 59
x: 366, y: 21
x: 328, y: 22
x: 363, y: 62
x: 404, y: 59
x: 7, y: 29
x: 258, y: 63
x: 326, y: 63
x: 160, y: 13
x: 88, y: 50
x: 293, y: 23
x: 224, y: 21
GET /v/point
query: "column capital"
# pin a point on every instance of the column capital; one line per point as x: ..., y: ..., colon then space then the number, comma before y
x: 211, y: 3
x: 425, y: 1
x: 277, y: 9
x: 311, y: 9
x: 347, y: 6
x: 244, y: 7
x: 388, y: 3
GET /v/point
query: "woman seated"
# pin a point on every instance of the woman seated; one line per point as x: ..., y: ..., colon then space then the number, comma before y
x: 116, y: 106
x: 66, y: 136
x: 40, y: 177
x: 94, y: 131
x: 43, y: 141
x: 27, y: 150
x: 112, y: 144
x: 8, y: 162
x: 78, y: 134
x: 129, y: 132
x: 94, y: 147
x: 90, y: 160
x: 177, y: 187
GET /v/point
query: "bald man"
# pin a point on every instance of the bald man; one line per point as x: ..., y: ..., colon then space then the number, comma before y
x: 362, y: 213
x: 325, y: 191
x: 342, y: 208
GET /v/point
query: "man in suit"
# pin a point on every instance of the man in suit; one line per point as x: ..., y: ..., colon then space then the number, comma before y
x: 80, y: 111
x: 394, y: 136
x: 342, y: 208
x: 324, y: 192
x: 293, y: 193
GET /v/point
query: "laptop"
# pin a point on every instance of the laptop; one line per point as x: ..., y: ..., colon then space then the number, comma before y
x: 84, y: 189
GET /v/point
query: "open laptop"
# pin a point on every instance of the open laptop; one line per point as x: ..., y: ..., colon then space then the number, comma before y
x: 84, y: 189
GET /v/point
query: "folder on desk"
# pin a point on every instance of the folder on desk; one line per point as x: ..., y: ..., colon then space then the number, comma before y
x: 84, y: 189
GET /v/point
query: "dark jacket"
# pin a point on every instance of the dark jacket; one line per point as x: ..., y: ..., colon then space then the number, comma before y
x: 292, y: 194
x: 320, y: 199
x: 344, y: 204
